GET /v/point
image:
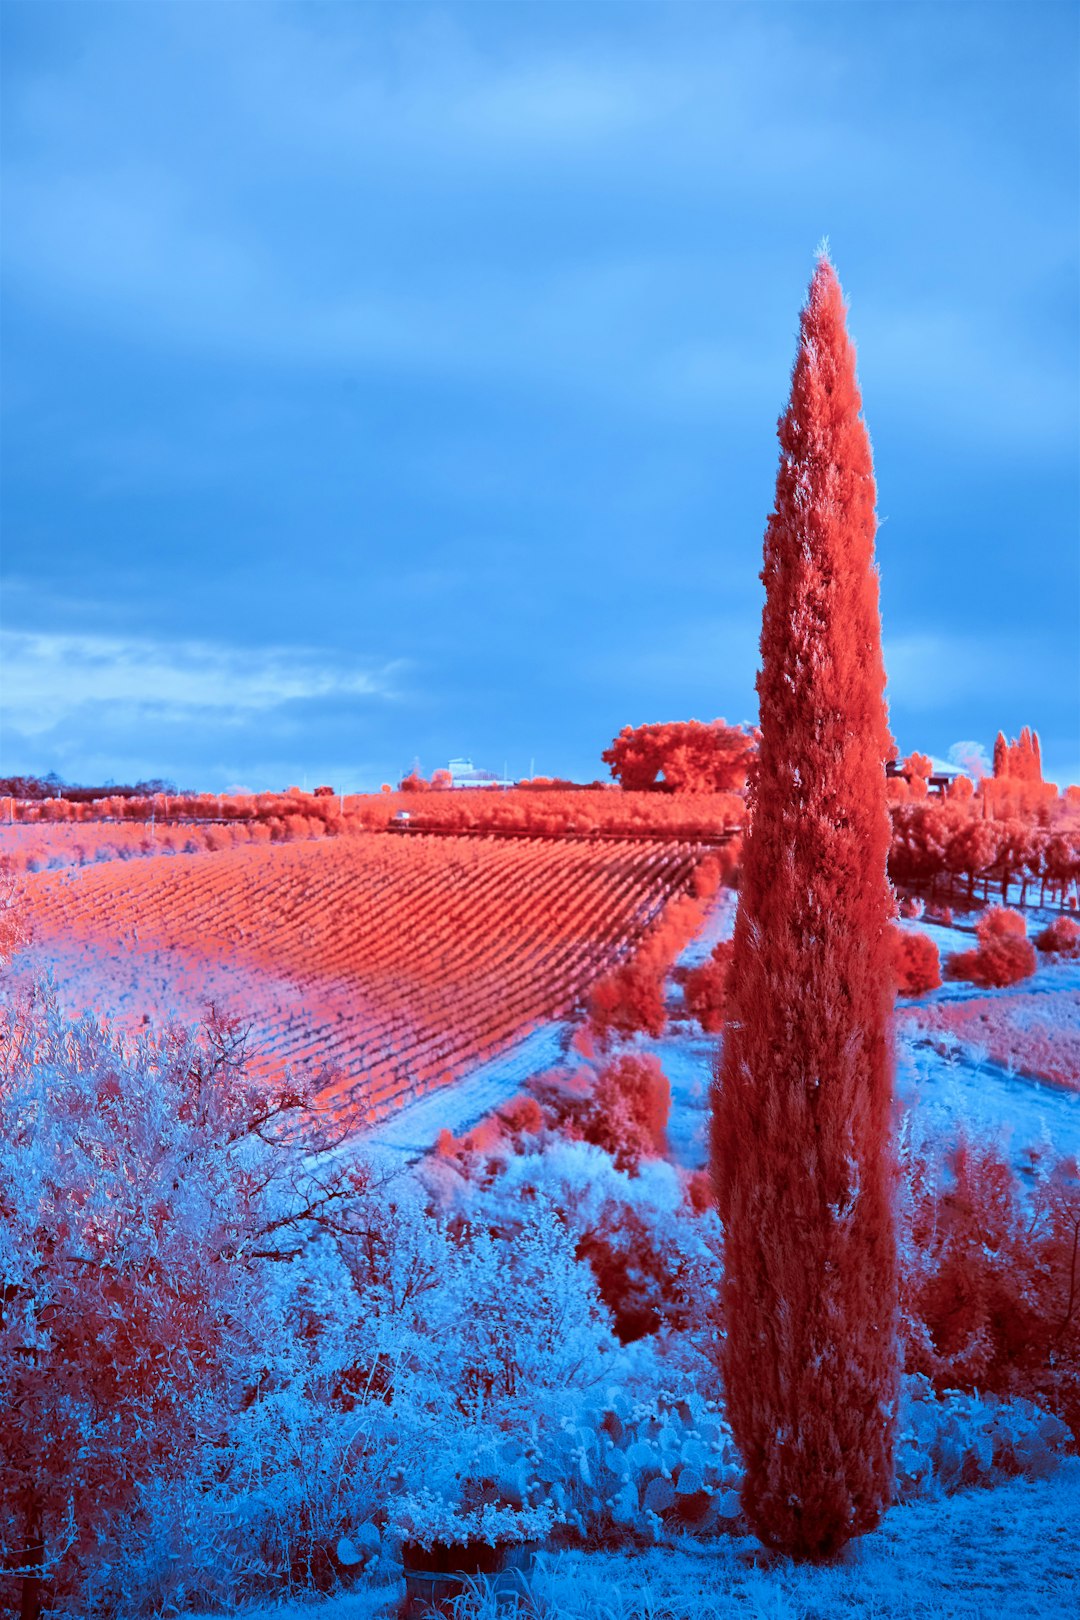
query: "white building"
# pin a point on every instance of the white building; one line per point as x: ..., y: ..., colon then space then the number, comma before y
x: 464, y: 774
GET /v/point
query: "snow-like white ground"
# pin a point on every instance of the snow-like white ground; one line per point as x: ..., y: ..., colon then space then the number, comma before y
x: 960, y: 1089
x: 1004, y: 1554
x: 414, y: 1130
x: 719, y: 924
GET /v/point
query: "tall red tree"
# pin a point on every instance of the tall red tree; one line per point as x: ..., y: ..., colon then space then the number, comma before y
x: 803, y: 1163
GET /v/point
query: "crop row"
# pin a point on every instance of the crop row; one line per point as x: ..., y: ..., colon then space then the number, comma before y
x: 388, y: 966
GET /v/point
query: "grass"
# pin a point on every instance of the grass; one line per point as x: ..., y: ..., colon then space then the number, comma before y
x: 1009, y: 1553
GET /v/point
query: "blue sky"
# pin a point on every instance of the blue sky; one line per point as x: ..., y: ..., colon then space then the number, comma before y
x: 384, y: 381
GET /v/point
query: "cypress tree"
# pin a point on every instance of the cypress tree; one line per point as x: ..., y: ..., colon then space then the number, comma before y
x: 803, y: 1163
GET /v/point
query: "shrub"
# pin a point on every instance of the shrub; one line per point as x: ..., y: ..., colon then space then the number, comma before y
x: 705, y: 989
x: 1005, y: 954
x: 629, y: 1110
x: 1061, y: 937
x: 629, y: 999
x: 1000, y: 923
x: 915, y: 962
x: 145, y: 1187
x: 990, y: 1295
x: 954, y: 1440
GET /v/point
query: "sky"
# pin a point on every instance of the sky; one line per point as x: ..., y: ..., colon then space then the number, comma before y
x: 395, y: 382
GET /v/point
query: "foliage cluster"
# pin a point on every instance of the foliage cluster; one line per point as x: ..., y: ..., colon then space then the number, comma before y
x: 1004, y: 955
x: 686, y: 756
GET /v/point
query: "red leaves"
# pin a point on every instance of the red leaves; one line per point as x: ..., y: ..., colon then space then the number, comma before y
x: 1019, y: 760
x: 706, y: 989
x: 1005, y: 954
x: 1062, y: 937
x: 690, y: 756
x: 915, y: 962
x: 629, y: 1110
x: 398, y: 962
x: 629, y: 999
x: 802, y: 1110
x: 991, y: 1277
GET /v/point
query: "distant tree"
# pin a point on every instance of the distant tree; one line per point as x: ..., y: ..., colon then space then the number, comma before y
x: 801, y: 1141
x: 686, y: 756
x: 1019, y: 760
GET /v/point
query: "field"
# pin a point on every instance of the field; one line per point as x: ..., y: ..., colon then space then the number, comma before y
x: 381, y: 966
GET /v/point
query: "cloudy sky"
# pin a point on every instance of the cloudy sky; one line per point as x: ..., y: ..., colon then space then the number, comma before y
x: 392, y: 381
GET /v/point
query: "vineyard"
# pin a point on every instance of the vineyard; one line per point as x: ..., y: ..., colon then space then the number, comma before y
x: 379, y: 967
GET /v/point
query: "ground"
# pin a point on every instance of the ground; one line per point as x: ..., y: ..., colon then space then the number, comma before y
x: 1003, y: 1554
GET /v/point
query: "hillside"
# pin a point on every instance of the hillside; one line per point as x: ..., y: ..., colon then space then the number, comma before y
x: 382, y: 967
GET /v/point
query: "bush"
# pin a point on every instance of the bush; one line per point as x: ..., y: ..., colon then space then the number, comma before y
x: 705, y: 989
x: 915, y: 962
x: 656, y: 1262
x: 1000, y: 923
x: 955, y: 1440
x: 990, y: 1290
x: 628, y: 1000
x: 146, y: 1188
x: 1005, y: 954
x: 629, y: 1110
x: 1062, y: 937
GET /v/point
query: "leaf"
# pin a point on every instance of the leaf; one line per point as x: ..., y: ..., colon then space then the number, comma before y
x: 659, y: 1495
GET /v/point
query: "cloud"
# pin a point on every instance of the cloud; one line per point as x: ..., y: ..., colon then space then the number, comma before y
x: 50, y: 679
x: 971, y: 757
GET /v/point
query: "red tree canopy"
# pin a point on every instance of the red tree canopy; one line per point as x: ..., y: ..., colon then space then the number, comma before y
x: 1021, y: 759
x: 683, y: 756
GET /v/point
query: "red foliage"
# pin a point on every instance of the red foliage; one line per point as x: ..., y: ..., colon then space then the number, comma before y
x: 629, y: 999
x: 629, y: 1110
x: 522, y: 1116
x: 706, y: 988
x: 699, y: 1191
x: 802, y: 1109
x: 1019, y: 760
x: 685, y: 756
x: 390, y: 965
x: 543, y: 812
x: 1062, y: 936
x: 991, y: 1278
x: 1000, y: 923
x: 1005, y: 954
x: 918, y: 766
x: 915, y: 961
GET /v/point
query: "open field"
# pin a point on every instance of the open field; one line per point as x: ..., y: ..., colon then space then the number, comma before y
x: 383, y: 966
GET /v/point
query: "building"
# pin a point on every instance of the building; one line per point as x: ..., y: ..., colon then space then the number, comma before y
x: 942, y: 774
x: 464, y: 774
